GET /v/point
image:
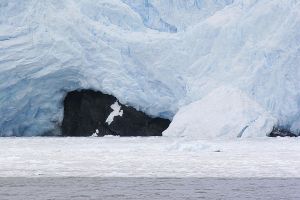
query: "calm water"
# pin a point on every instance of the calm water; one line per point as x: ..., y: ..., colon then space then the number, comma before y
x: 149, y: 188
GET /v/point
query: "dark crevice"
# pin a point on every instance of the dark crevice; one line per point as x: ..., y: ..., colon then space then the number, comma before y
x: 86, y: 111
x: 282, y: 132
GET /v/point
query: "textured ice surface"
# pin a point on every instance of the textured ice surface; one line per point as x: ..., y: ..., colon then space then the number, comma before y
x: 225, y: 112
x: 149, y: 157
x: 155, y: 55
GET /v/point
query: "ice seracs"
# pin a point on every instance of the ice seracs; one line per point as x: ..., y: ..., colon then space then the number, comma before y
x: 224, y: 113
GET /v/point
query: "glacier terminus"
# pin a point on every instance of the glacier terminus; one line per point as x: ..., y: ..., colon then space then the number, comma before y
x: 231, y: 65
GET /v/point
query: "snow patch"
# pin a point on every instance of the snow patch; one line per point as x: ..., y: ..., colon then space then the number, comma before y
x: 95, y: 134
x: 226, y: 113
x: 116, y: 112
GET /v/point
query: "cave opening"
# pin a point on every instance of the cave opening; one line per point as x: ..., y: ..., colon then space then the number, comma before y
x: 88, y: 112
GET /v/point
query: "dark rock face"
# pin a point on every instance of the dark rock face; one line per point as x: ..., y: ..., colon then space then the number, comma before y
x: 87, y: 112
x: 282, y: 132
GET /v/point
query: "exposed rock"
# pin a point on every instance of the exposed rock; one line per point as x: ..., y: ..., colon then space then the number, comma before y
x: 282, y: 132
x: 88, y: 112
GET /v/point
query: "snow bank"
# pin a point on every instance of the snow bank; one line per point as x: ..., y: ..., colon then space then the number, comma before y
x: 113, y: 156
x: 116, y: 112
x: 224, y: 113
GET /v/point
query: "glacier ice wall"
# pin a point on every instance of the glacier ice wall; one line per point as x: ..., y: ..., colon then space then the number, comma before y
x: 155, y: 55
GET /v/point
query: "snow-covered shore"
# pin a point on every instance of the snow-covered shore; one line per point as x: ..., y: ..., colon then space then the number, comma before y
x: 149, y: 157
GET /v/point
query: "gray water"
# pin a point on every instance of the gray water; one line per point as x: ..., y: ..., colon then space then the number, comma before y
x: 148, y: 188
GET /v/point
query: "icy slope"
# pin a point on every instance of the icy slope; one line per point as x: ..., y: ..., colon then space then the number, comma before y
x: 225, y: 112
x: 155, y: 55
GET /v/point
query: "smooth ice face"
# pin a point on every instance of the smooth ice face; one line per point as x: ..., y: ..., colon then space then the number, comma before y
x: 224, y: 113
x: 154, y: 55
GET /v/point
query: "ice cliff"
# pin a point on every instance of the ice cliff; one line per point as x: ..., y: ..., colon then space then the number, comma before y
x: 157, y: 56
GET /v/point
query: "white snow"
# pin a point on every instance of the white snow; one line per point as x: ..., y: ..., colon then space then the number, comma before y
x: 116, y: 112
x: 225, y: 112
x: 149, y: 157
x: 95, y: 134
x: 154, y: 55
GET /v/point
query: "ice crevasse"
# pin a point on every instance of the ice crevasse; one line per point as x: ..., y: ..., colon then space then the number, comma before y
x: 158, y: 56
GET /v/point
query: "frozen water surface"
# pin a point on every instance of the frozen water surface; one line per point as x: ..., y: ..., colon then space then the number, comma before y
x: 149, y: 168
x: 149, y: 157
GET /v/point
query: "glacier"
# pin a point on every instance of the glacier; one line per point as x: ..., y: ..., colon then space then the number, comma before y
x: 158, y: 56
